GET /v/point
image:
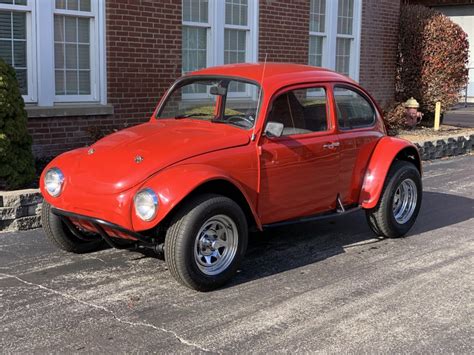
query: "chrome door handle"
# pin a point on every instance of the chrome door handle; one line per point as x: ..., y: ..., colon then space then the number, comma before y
x: 331, y: 145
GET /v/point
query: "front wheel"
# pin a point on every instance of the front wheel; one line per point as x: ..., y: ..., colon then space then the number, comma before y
x: 399, y: 203
x: 61, y: 236
x: 206, y: 241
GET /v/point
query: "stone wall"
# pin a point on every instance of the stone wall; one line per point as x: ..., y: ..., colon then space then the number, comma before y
x: 20, y: 210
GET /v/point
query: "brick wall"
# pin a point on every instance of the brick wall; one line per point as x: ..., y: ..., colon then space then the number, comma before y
x: 284, y: 31
x: 379, y: 43
x: 143, y: 58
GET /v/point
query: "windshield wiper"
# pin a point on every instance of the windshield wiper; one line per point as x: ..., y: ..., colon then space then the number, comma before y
x: 199, y: 114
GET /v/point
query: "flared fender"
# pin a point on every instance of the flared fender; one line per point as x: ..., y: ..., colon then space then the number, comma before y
x: 387, y: 149
x: 174, y: 184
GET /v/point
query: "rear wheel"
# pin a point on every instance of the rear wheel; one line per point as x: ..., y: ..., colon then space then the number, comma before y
x: 399, y: 203
x: 62, y: 237
x: 206, y: 241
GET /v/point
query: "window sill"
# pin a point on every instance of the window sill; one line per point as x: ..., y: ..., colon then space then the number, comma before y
x: 69, y: 110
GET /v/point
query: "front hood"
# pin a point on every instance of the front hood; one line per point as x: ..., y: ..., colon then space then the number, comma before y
x: 126, y: 158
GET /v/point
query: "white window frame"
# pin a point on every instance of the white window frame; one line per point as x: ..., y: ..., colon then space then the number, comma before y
x: 215, y: 37
x: 40, y: 53
x: 31, y: 66
x: 331, y: 35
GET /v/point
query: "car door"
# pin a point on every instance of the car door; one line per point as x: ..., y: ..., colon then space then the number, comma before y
x: 299, y: 170
x: 357, y: 134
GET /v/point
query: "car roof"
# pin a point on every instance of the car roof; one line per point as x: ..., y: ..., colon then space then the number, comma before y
x: 274, y: 74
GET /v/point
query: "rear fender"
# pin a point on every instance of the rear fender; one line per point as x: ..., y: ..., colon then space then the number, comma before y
x: 174, y: 184
x: 386, y: 151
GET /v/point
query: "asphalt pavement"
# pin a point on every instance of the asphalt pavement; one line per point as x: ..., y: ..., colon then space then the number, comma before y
x: 328, y: 286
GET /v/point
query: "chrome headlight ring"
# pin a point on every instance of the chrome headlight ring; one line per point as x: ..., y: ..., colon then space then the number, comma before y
x: 53, y: 182
x: 146, y: 204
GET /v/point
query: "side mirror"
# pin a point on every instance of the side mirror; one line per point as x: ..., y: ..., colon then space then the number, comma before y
x: 218, y: 91
x: 274, y: 129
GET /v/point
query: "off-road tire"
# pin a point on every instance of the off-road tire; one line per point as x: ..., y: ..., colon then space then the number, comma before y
x: 381, y: 219
x: 183, y: 231
x: 60, y: 235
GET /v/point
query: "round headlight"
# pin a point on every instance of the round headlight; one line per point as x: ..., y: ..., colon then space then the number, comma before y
x: 53, y: 181
x: 146, y: 204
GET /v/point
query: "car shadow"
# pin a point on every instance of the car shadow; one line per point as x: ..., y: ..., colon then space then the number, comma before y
x: 285, y: 248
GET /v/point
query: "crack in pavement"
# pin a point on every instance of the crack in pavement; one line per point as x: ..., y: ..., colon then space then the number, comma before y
x: 135, y: 324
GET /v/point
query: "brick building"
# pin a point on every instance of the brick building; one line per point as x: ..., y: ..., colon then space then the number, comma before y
x: 96, y: 65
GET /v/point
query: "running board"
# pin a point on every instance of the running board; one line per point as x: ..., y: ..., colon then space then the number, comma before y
x: 312, y: 218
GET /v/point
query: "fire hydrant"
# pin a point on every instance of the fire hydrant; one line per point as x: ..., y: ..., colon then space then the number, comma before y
x: 413, y: 116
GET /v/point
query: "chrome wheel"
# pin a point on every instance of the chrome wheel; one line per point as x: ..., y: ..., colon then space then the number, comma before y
x: 404, y: 201
x: 216, y: 244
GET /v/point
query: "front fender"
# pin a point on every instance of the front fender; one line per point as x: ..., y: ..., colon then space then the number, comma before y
x: 385, y: 152
x: 174, y: 184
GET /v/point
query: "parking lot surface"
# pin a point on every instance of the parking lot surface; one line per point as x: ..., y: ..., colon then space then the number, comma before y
x: 327, y: 286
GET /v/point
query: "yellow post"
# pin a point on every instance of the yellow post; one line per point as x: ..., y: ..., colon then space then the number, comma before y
x: 437, y: 116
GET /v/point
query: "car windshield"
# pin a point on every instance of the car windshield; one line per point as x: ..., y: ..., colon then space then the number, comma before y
x: 219, y: 100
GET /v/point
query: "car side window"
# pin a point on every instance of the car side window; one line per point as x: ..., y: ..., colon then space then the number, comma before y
x: 353, y: 110
x: 300, y: 111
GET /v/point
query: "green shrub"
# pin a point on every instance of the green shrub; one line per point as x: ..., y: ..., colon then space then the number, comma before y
x: 433, y: 58
x: 16, y: 160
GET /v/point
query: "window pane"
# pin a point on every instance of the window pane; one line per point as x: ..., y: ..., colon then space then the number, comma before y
x: 73, y: 4
x: 84, y: 83
x: 5, y: 25
x: 236, y: 12
x: 195, y: 10
x: 10, y: 2
x: 59, y: 55
x: 345, y: 16
x: 13, y: 45
x: 71, y: 83
x: 61, y: 4
x: 71, y: 56
x: 83, y: 30
x: 59, y: 81
x: 59, y: 28
x: 19, y: 54
x: 84, y: 56
x: 19, y: 25
x: 70, y: 29
x: 317, y: 16
x: 20, y: 2
x: 353, y: 110
x: 85, y: 5
x: 343, y: 55
x: 316, y: 50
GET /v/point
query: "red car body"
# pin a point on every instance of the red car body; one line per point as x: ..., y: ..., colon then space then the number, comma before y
x: 274, y: 179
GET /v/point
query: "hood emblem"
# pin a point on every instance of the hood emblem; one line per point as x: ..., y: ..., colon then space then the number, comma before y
x: 138, y: 159
x: 91, y: 151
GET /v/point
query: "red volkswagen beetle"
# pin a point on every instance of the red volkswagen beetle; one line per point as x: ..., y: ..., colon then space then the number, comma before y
x: 231, y: 148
